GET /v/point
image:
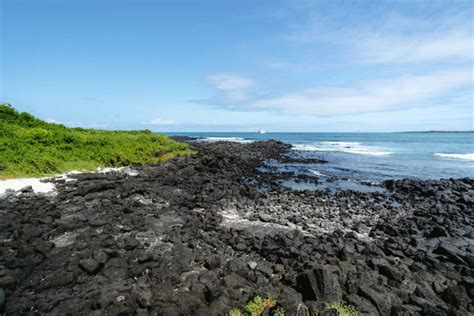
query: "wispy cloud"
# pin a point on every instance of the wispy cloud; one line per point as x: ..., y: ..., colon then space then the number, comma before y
x: 78, y: 124
x: 364, y: 96
x: 51, y: 120
x: 159, y: 122
x: 391, y: 38
x: 347, y: 60
x: 414, y: 49
x: 230, y: 87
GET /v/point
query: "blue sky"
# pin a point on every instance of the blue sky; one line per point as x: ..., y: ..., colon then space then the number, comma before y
x: 241, y: 65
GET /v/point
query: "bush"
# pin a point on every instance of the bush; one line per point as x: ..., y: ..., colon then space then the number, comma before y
x: 32, y: 147
x: 257, y: 306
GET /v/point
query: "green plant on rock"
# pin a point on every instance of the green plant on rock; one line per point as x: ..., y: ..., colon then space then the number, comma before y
x: 235, y: 312
x: 257, y: 306
x: 342, y: 309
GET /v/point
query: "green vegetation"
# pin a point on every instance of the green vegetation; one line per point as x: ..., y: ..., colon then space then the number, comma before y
x: 235, y: 312
x: 32, y: 147
x: 257, y: 306
x: 342, y: 309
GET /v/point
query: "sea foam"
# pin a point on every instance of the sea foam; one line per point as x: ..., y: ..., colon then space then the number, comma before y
x: 456, y: 156
x: 317, y: 173
x: 347, y: 147
x: 227, y: 139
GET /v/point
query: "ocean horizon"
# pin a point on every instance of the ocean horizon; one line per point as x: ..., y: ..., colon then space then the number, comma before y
x: 371, y: 157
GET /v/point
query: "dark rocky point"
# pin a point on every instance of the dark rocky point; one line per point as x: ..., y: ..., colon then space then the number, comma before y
x: 204, y: 234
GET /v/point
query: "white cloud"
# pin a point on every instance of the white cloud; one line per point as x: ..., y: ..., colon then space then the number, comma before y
x: 368, y: 96
x: 414, y: 49
x: 391, y: 38
x: 50, y: 120
x: 159, y: 122
x: 434, y: 51
x: 230, y: 87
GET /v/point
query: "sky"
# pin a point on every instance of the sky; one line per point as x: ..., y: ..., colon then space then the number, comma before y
x: 241, y: 66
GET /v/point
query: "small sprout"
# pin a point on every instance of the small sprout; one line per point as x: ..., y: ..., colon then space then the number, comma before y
x: 256, y: 306
x: 235, y: 312
x: 342, y: 309
x: 271, y: 303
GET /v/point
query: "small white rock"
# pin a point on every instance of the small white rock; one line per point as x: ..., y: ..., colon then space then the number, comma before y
x: 252, y: 265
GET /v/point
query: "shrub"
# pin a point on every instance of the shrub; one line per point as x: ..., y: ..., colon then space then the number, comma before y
x: 32, y: 147
x: 257, y: 306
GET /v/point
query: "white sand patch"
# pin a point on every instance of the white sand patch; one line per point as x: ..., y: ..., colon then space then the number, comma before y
x: 18, y: 184
x: 126, y: 170
x: 39, y: 186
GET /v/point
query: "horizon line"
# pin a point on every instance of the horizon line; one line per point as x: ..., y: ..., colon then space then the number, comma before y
x: 357, y: 132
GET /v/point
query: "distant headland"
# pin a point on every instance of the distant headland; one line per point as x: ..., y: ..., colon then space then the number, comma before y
x: 432, y: 132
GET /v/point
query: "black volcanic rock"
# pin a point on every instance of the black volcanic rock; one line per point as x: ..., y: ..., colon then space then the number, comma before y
x: 89, y: 265
x: 204, y: 234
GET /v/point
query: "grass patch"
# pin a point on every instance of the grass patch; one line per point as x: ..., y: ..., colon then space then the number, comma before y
x: 30, y: 147
x: 257, y: 306
x: 260, y: 306
x: 342, y: 309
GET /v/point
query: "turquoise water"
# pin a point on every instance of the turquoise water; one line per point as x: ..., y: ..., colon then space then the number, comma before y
x: 374, y: 156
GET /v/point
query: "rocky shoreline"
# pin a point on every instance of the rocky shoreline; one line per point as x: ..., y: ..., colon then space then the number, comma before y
x: 198, y: 236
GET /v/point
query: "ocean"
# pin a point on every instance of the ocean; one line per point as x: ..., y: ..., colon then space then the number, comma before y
x: 371, y: 157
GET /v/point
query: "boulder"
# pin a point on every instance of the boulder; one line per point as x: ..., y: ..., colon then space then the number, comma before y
x: 320, y: 284
x: 363, y: 306
x: 2, y: 300
x: 456, y: 296
x: 89, y: 265
x: 380, y: 297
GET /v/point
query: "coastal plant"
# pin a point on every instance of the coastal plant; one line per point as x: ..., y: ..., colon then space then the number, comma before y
x: 341, y: 308
x: 257, y: 306
x: 271, y: 303
x: 32, y: 147
x: 235, y: 312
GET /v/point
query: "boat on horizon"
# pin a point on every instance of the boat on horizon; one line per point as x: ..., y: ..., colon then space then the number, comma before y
x: 262, y: 131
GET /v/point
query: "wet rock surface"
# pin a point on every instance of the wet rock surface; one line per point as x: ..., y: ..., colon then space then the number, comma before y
x: 198, y: 236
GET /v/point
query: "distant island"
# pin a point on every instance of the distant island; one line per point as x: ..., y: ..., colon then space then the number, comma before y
x: 434, y: 132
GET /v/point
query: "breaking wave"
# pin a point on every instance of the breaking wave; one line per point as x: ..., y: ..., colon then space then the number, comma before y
x: 227, y: 139
x: 347, y: 147
x: 456, y: 156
